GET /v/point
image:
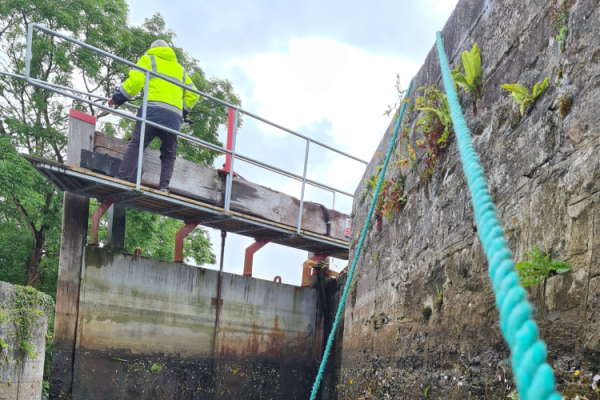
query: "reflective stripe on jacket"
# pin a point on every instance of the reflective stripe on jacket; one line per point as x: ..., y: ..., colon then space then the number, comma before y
x: 161, y: 92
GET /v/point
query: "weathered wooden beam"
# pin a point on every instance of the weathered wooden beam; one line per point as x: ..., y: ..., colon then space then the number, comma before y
x: 73, y: 237
x: 207, y: 184
x: 189, y: 179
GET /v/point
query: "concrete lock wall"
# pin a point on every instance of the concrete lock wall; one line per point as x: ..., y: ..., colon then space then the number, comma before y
x: 155, y: 330
x: 421, y: 321
x: 22, y: 351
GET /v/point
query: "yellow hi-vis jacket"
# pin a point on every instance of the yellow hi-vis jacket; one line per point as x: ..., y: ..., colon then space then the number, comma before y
x: 161, y: 93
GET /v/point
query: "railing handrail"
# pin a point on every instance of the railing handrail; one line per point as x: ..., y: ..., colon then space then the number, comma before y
x: 177, y: 83
x: 211, y: 146
x: 234, y: 114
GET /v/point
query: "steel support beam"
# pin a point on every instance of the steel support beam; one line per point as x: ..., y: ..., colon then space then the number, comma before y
x: 249, y: 257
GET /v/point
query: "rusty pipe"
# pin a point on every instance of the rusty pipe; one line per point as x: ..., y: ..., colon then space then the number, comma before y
x: 249, y: 257
x: 104, y: 206
x: 180, y: 236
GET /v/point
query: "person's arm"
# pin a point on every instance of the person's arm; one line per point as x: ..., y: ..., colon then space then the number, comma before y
x: 189, y: 98
x: 133, y: 84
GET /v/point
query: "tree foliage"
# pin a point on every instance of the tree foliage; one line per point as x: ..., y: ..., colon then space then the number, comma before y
x: 34, y: 121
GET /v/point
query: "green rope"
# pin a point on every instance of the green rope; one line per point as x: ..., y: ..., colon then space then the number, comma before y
x: 357, y: 252
x: 534, y: 377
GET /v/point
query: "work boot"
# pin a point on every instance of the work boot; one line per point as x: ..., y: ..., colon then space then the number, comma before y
x: 164, y: 190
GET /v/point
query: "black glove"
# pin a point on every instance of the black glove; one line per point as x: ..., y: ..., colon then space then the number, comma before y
x: 118, y: 98
x: 185, y: 117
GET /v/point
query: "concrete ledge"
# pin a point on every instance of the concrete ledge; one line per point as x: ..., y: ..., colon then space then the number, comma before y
x: 22, y: 359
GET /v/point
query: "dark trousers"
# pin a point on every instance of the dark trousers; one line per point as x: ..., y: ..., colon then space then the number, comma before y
x: 168, y: 145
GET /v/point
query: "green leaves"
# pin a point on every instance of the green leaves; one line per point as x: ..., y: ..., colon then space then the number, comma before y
x: 155, y: 235
x: 470, y: 79
x: 436, y: 123
x: 523, y: 96
x: 34, y: 122
x: 444, y: 117
x: 539, y: 88
x: 372, y: 181
x: 539, y: 266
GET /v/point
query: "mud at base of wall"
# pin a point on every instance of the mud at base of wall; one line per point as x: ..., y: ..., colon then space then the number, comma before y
x: 125, y: 376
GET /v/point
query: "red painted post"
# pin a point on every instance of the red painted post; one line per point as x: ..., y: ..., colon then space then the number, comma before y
x: 181, y: 234
x: 249, y: 258
x: 230, y: 127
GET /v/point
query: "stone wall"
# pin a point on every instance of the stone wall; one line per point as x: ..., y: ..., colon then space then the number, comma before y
x: 421, y: 321
x: 22, y: 351
x: 148, y: 329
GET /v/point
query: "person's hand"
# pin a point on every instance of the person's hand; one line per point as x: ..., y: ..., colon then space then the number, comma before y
x: 111, y: 102
x: 186, y: 119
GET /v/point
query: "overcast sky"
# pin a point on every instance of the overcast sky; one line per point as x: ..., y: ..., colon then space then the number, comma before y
x: 323, y: 68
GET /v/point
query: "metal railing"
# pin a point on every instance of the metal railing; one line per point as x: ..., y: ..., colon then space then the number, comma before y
x: 230, y: 153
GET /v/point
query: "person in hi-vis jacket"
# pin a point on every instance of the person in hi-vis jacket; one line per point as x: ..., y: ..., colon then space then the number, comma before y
x: 168, y: 105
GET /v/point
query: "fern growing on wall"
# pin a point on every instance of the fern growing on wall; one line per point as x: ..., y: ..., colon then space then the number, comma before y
x: 470, y: 78
x: 523, y: 96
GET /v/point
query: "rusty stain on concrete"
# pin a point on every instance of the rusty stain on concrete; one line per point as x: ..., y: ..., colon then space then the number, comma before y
x: 138, y: 315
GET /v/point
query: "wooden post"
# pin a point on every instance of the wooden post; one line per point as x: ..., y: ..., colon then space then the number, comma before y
x: 116, y: 227
x: 73, y: 238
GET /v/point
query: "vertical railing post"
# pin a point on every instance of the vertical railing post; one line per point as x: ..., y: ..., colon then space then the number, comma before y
x: 229, y: 182
x: 333, y: 201
x: 301, y: 210
x: 230, y: 127
x: 28, y: 51
x: 138, y: 179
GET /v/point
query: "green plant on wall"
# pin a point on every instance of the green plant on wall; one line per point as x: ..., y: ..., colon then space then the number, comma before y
x: 435, y: 124
x: 560, y: 20
x: 371, y: 184
x: 470, y: 77
x: 372, y: 181
x: 28, y: 306
x: 392, y: 198
x: 561, y: 37
x: 539, y: 266
x: 523, y: 96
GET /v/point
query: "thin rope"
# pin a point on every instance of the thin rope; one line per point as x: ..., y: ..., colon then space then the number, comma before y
x: 533, y: 375
x: 357, y: 253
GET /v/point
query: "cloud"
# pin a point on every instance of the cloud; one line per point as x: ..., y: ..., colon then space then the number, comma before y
x: 325, y: 69
x: 240, y: 28
x: 328, y: 90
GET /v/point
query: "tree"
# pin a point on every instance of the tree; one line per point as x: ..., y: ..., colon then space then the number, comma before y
x: 33, y: 121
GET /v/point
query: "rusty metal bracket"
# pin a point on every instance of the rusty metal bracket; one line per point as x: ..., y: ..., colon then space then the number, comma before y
x: 216, y: 302
x: 180, y: 236
x: 249, y: 257
x: 104, y: 206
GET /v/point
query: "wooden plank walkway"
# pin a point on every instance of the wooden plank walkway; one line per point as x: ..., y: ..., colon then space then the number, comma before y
x: 90, y: 184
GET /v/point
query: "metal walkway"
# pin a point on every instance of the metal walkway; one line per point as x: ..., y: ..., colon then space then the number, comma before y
x: 90, y: 184
x: 219, y: 216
